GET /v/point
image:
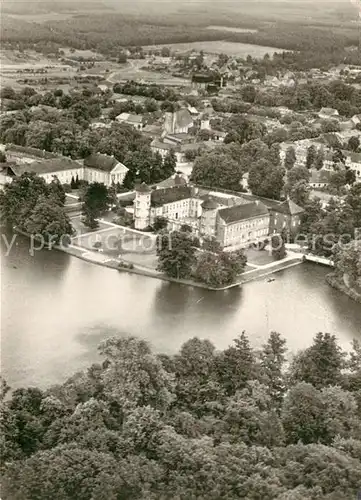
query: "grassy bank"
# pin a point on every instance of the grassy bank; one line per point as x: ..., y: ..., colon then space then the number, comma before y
x: 337, y: 283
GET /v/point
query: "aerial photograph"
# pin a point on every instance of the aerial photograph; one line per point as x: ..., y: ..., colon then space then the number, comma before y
x: 180, y: 213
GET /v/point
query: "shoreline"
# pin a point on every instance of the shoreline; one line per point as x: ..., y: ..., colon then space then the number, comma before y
x: 110, y: 263
x: 338, y: 284
x: 93, y: 258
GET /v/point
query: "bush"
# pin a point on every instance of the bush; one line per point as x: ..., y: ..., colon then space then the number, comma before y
x: 125, y: 265
x: 67, y: 188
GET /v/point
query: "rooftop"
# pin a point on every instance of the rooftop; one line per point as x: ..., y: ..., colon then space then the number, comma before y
x: 101, y: 162
x: 127, y: 117
x: 161, y: 197
x: 47, y: 166
x: 32, y: 152
x: 209, y: 204
x: 288, y: 207
x: 243, y: 212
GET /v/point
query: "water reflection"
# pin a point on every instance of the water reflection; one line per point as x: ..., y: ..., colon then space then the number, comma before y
x: 56, y: 309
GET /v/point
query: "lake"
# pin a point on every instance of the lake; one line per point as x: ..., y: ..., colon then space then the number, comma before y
x: 57, y: 308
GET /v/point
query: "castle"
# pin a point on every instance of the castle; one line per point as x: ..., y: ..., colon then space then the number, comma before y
x: 235, y: 220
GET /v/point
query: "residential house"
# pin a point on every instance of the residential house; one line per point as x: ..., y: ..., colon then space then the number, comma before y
x: 163, y: 148
x: 353, y: 162
x: 328, y: 113
x: 136, y: 121
x: 320, y: 179
x: 104, y: 168
x: 356, y: 120
x: 219, y: 135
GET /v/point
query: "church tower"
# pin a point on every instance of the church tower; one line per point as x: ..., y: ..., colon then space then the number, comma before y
x: 142, y: 206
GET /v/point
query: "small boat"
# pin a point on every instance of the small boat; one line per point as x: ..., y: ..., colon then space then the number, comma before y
x: 270, y: 280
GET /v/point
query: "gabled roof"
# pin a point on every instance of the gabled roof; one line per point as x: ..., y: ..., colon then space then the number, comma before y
x: 288, y: 207
x: 353, y: 156
x: 100, y: 162
x: 127, y: 117
x: 243, y: 212
x: 26, y: 150
x: 47, y: 166
x: 161, y: 197
x: 183, y: 119
x: 166, y: 146
x: 320, y: 176
x: 329, y: 111
x: 174, y: 180
x: 142, y: 188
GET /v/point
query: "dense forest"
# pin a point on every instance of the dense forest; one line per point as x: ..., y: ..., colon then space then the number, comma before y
x: 327, y: 39
x: 239, y: 423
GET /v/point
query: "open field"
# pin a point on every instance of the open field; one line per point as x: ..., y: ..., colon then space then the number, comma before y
x: 231, y: 29
x: 30, y: 65
x: 43, y: 18
x: 133, y: 70
x: 220, y: 47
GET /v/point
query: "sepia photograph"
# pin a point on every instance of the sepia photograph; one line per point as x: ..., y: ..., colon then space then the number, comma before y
x: 180, y: 213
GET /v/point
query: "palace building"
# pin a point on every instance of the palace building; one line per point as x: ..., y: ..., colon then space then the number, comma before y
x: 232, y: 219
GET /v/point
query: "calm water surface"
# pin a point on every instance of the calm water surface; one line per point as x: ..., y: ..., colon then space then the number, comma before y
x: 56, y: 309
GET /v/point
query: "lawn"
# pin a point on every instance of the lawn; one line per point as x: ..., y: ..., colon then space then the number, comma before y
x: 259, y: 257
x: 120, y: 242
x: 81, y: 229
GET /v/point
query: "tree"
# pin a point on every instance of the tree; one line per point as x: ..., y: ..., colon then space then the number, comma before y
x: 272, y: 361
x: 19, y: 198
x: 354, y: 143
x: 353, y: 200
x: 319, y: 159
x: 337, y: 181
x: 89, y: 219
x: 49, y: 220
x: 300, y: 193
x: 56, y: 191
x: 321, y: 364
x: 169, y: 164
x: 311, y: 156
x: 211, y: 244
x: 236, y: 365
x: 217, y: 170
x: 294, y: 177
x: 160, y: 223
x: 313, y: 213
x: 302, y: 414
x: 330, y: 126
x: 95, y: 202
x: 8, y: 93
x: 278, y: 243
x: 176, y: 254
x: 40, y: 135
x: 266, y: 179
x: 217, y: 270
x: 290, y: 158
